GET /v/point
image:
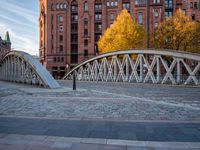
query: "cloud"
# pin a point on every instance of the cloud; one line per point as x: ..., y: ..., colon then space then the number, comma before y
x: 20, y: 41
x: 20, y: 11
x: 15, y: 21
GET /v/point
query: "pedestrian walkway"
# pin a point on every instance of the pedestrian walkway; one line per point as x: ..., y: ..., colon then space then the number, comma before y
x: 43, y: 134
x: 140, y: 131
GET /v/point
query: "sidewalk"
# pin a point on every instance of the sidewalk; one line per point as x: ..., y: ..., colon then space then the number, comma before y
x: 33, y: 142
x: 43, y: 134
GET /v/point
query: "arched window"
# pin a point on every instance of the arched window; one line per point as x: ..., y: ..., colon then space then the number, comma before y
x: 61, y: 6
x: 57, y: 6
x: 156, y: 13
x: 74, y: 6
x: 65, y: 6
x: 85, y: 6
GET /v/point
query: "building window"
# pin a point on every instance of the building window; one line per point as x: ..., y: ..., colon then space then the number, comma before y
x: 98, y: 27
x: 112, y: 3
x: 74, y: 48
x: 74, y: 28
x: 195, y: 5
x: 156, y: 1
x: 85, y: 42
x: 74, y: 58
x: 97, y: 37
x: 184, y: 11
x: 140, y: 2
x: 169, y: 3
x: 155, y: 24
x: 74, y: 17
x: 191, y: 4
x: 74, y: 38
x: 61, y: 6
x: 98, y: 7
x: 61, y: 28
x: 112, y: 16
x: 98, y: 17
x: 61, y: 48
x: 57, y: 6
x: 193, y: 16
x: 61, y: 19
x: 85, y: 53
x: 156, y: 13
x: 86, y: 6
x: 140, y: 18
x: 85, y: 21
x: 126, y: 6
x: 52, y: 6
x: 61, y: 38
x: 65, y: 6
x: 85, y: 32
x: 168, y: 14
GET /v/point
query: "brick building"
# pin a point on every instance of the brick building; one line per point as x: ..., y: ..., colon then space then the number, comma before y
x: 5, y: 45
x: 70, y: 29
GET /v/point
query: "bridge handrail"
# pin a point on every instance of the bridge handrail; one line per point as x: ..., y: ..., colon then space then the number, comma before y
x: 44, y: 75
x: 166, y: 52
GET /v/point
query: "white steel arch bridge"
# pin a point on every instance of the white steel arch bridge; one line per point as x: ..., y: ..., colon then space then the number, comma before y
x: 20, y: 67
x: 141, y: 66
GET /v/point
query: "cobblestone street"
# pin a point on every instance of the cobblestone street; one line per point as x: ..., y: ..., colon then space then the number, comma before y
x: 106, y: 101
x: 99, y: 116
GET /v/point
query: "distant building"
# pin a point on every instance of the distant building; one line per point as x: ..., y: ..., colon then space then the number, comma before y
x: 5, y: 45
x: 70, y: 29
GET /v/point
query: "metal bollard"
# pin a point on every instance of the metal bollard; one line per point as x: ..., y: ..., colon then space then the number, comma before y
x: 74, y: 81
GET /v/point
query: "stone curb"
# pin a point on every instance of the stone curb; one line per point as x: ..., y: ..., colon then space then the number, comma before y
x: 102, y: 119
x: 66, y: 142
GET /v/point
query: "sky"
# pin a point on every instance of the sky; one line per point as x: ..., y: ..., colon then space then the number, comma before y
x: 20, y: 18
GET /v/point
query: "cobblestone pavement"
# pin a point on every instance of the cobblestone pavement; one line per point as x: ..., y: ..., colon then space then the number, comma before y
x: 112, y: 101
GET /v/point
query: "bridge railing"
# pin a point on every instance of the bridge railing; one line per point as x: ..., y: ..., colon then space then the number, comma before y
x: 141, y: 66
x: 20, y: 67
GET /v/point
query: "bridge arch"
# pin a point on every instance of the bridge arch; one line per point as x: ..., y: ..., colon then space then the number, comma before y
x: 141, y: 66
x: 20, y: 67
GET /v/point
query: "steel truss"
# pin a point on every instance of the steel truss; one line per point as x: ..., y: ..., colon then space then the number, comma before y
x: 141, y: 66
x: 20, y: 67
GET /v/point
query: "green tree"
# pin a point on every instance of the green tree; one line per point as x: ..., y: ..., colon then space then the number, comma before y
x: 125, y: 33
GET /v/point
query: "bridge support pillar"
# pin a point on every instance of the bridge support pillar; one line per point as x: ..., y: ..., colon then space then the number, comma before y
x: 158, y: 69
x: 178, y: 71
x: 127, y: 69
x: 141, y: 68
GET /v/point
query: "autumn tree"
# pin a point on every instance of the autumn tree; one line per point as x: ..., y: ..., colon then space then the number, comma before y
x: 177, y: 32
x: 123, y: 34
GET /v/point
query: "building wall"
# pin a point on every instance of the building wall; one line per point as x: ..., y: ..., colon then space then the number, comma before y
x: 66, y: 40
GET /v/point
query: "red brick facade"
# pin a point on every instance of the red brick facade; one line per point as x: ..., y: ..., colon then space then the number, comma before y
x: 70, y: 29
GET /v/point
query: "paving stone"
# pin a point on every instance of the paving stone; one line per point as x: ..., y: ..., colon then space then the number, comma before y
x: 167, y: 145
x: 61, y: 145
x: 108, y: 101
x: 126, y: 142
x: 12, y: 147
x: 193, y: 144
x: 96, y: 147
x: 93, y: 141
x: 38, y: 148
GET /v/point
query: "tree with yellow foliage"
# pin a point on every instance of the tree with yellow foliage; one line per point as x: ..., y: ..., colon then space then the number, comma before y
x: 177, y: 32
x: 124, y: 34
